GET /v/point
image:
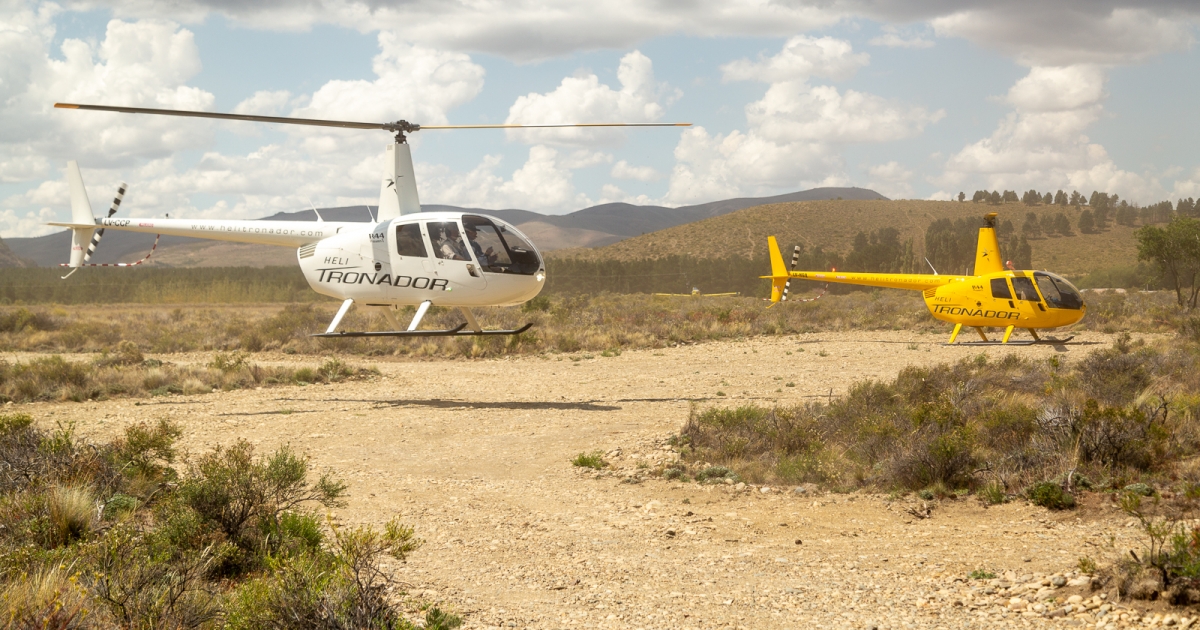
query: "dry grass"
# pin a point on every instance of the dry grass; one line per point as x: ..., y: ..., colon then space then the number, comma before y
x: 55, y: 378
x: 72, y: 511
x: 570, y: 324
x: 1121, y: 415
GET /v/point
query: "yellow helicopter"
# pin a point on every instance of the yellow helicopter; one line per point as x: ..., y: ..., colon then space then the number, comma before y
x: 996, y: 297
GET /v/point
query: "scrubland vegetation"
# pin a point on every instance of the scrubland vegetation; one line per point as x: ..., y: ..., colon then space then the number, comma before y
x: 1122, y: 423
x: 566, y: 324
x: 123, y: 535
x: 127, y: 372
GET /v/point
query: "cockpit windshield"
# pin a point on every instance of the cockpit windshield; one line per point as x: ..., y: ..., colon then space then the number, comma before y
x: 498, y: 248
x: 1058, y: 292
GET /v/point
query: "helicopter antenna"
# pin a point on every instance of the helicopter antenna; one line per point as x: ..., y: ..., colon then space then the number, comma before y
x: 371, y: 214
x: 930, y: 265
x: 314, y: 209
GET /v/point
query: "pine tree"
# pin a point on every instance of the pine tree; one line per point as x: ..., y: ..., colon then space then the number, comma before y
x: 1022, y: 256
x: 961, y: 196
x: 1062, y: 225
x: 1087, y: 223
x: 1048, y: 199
x: 995, y: 198
x: 1010, y: 197
x: 1060, y: 198
x: 980, y: 195
x: 1032, y: 227
x: 1076, y: 198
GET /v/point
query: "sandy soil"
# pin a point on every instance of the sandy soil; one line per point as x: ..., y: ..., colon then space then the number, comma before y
x: 476, y: 455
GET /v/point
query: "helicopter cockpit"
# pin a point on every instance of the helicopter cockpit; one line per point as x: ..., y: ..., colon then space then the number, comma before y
x: 1058, y: 292
x: 498, y: 247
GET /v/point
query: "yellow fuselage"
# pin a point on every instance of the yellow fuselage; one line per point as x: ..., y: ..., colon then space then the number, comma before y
x: 996, y: 298
x: 971, y: 300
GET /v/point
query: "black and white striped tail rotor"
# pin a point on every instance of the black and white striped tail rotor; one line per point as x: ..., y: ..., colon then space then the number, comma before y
x: 788, y: 285
x: 116, y: 204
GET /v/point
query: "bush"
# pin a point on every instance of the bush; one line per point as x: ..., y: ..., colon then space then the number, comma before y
x: 1050, y: 495
x: 72, y: 512
x: 593, y: 460
x: 246, y: 497
x: 108, y: 535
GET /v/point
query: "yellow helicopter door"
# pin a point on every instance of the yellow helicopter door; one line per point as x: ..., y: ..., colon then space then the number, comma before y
x: 1027, y: 300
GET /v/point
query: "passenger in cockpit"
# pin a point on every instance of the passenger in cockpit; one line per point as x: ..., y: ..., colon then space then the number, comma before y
x: 451, y: 246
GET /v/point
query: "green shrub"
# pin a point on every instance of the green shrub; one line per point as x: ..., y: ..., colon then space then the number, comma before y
x: 993, y: 493
x: 593, y: 460
x: 246, y: 497
x: 1050, y: 495
x: 1140, y: 489
x: 981, y: 574
x: 716, y: 473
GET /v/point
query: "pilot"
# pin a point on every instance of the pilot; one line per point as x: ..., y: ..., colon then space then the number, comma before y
x: 485, y: 257
x: 452, y: 246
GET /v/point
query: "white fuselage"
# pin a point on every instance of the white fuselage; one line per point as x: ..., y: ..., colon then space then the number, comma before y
x: 387, y: 263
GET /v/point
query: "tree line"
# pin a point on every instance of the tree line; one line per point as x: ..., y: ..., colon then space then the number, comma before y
x: 1094, y: 213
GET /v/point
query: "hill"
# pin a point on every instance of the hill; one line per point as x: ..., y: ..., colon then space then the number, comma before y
x: 8, y: 258
x: 832, y: 225
x: 590, y: 227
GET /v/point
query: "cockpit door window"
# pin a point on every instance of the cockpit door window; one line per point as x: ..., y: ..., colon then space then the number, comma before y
x: 1000, y: 289
x: 409, y: 241
x: 447, y: 241
x: 1023, y: 287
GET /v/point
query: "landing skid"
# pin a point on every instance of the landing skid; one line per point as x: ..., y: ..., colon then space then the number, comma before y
x: 475, y: 329
x: 1023, y: 342
x: 452, y: 332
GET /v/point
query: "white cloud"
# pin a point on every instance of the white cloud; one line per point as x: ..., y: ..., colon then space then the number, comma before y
x: 796, y: 131
x: 624, y: 170
x: 149, y: 63
x: 802, y: 57
x: 543, y: 184
x: 735, y: 164
x: 1047, y: 89
x: 583, y: 99
x: 795, y: 111
x: 525, y: 31
x: 1042, y: 143
x: 1069, y: 33
x: 891, y: 180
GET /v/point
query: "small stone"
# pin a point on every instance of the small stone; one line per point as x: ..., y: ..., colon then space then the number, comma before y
x: 800, y: 490
x: 1075, y: 599
x: 1017, y: 603
x: 1058, y: 581
x: 764, y: 490
x: 740, y: 486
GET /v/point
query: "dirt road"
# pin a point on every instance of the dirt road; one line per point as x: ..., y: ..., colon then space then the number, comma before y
x: 476, y: 455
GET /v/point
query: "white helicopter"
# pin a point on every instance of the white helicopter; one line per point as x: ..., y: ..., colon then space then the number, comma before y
x: 405, y: 257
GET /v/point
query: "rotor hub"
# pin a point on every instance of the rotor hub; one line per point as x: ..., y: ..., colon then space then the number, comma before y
x: 401, y: 128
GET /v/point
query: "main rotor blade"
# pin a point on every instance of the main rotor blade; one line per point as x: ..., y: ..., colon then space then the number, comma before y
x: 195, y: 114
x: 388, y: 126
x: 556, y: 125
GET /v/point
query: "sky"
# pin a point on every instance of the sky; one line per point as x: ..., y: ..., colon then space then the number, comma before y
x: 915, y: 99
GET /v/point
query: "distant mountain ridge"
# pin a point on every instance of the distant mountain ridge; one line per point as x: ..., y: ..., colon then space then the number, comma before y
x: 596, y: 226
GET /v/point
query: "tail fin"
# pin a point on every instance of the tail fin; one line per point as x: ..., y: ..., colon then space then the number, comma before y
x: 779, y: 273
x: 987, y: 250
x: 81, y: 214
